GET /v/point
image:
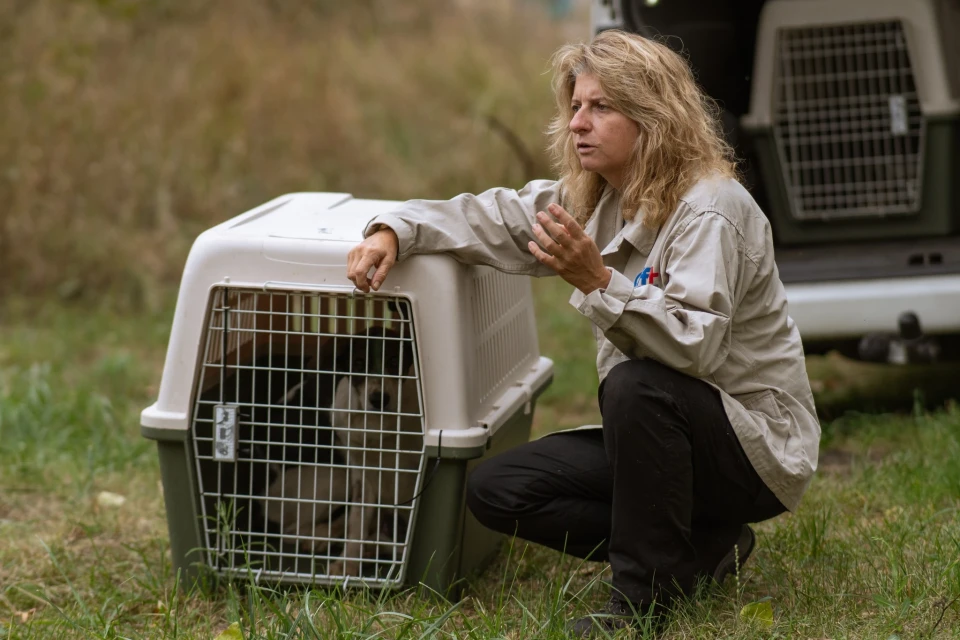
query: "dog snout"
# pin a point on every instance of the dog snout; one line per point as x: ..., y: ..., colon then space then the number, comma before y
x: 379, y: 399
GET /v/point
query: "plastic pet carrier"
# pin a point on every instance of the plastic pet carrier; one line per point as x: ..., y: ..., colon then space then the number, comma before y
x: 854, y: 116
x: 309, y: 433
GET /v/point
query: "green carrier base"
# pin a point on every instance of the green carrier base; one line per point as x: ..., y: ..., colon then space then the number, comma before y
x: 939, y: 214
x: 447, y: 544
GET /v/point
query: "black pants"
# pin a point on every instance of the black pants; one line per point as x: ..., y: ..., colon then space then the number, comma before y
x: 661, y: 493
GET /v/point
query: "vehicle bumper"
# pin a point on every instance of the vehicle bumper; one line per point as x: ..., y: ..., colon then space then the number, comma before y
x: 851, y: 309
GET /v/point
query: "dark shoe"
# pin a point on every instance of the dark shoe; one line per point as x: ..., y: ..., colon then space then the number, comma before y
x: 614, y: 615
x: 733, y: 562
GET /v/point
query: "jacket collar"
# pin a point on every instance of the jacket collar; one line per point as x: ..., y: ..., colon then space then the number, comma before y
x: 642, y: 238
x: 604, y: 207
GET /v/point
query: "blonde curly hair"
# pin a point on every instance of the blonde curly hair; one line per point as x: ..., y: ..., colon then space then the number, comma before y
x: 680, y: 137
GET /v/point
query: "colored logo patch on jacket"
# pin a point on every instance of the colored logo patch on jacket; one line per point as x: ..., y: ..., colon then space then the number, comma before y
x: 647, y: 276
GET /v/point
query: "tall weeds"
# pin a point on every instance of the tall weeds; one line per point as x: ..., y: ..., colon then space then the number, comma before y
x: 127, y: 127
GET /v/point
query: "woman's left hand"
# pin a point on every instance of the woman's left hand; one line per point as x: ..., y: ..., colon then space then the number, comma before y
x: 565, y: 248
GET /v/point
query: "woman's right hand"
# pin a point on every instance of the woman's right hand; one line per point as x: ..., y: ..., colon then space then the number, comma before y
x: 378, y: 251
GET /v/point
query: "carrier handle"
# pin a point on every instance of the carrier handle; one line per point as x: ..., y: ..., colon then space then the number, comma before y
x: 519, y: 395
x: 275, y: 285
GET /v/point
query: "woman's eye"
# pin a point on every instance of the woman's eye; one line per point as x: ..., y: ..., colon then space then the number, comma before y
x: 602, y: 107
x: 575, y: 108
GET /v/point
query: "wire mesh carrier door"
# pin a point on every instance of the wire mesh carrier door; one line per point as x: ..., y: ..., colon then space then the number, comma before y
x: 848, y: 124
x: 308, y: 435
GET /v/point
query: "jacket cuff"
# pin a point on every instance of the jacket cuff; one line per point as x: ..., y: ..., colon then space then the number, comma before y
x: 605, y: 306
x: 404, y: 231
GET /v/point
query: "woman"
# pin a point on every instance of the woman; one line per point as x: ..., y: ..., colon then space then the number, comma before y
x: 708, y: 418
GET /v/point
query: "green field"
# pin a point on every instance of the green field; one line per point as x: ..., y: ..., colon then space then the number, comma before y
x: 872, y: 553
x: 127, y: 126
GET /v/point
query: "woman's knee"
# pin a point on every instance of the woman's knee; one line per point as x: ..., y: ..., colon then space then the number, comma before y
x: 632, y: 380
x: 524, y: 482
x: 486, y: 491
x: 639, y: 402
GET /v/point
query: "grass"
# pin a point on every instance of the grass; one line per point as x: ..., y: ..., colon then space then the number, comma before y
x: 873, y: 551
x: 131, y: 125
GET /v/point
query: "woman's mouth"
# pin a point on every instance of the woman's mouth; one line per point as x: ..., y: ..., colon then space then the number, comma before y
x: 584, y: 148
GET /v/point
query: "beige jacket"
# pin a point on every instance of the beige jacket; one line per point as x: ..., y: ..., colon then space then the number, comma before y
x: 702, y: 295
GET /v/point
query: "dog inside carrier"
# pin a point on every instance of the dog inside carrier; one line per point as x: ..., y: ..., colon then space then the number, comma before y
x: 307, y: 434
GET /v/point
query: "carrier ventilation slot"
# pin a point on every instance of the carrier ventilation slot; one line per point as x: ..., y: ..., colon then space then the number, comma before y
x: 504, y: 329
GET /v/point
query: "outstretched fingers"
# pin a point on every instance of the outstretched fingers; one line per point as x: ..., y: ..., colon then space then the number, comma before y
x: 543, y: 256
x: 566, y: 220
x: 550, y: 228
x: 546, y: 239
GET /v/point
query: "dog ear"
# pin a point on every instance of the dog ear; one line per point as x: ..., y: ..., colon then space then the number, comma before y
x: 408, y: 360
x: 274, y: 471
x: 346, y: 349
x: 402, y: 310
x: 341, y: 357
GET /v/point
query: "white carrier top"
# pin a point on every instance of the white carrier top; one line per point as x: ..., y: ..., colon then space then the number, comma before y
x: 475, y: 331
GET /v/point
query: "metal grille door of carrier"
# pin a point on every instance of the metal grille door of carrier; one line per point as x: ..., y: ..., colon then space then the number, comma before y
x: 848, y: 125
x: 308, y: 435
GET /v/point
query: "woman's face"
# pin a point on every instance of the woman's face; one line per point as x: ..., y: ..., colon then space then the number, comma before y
x: 604, y: 138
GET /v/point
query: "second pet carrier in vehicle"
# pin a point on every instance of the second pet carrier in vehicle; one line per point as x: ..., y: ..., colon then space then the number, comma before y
x: 855, y: 115
x: 309, y: 433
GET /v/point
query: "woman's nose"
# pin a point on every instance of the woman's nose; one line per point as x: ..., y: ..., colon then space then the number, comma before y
x: 579, y: 122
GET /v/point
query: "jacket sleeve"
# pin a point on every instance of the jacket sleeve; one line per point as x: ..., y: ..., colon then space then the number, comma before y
x: 685, y: 325
x: 492, y: 228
